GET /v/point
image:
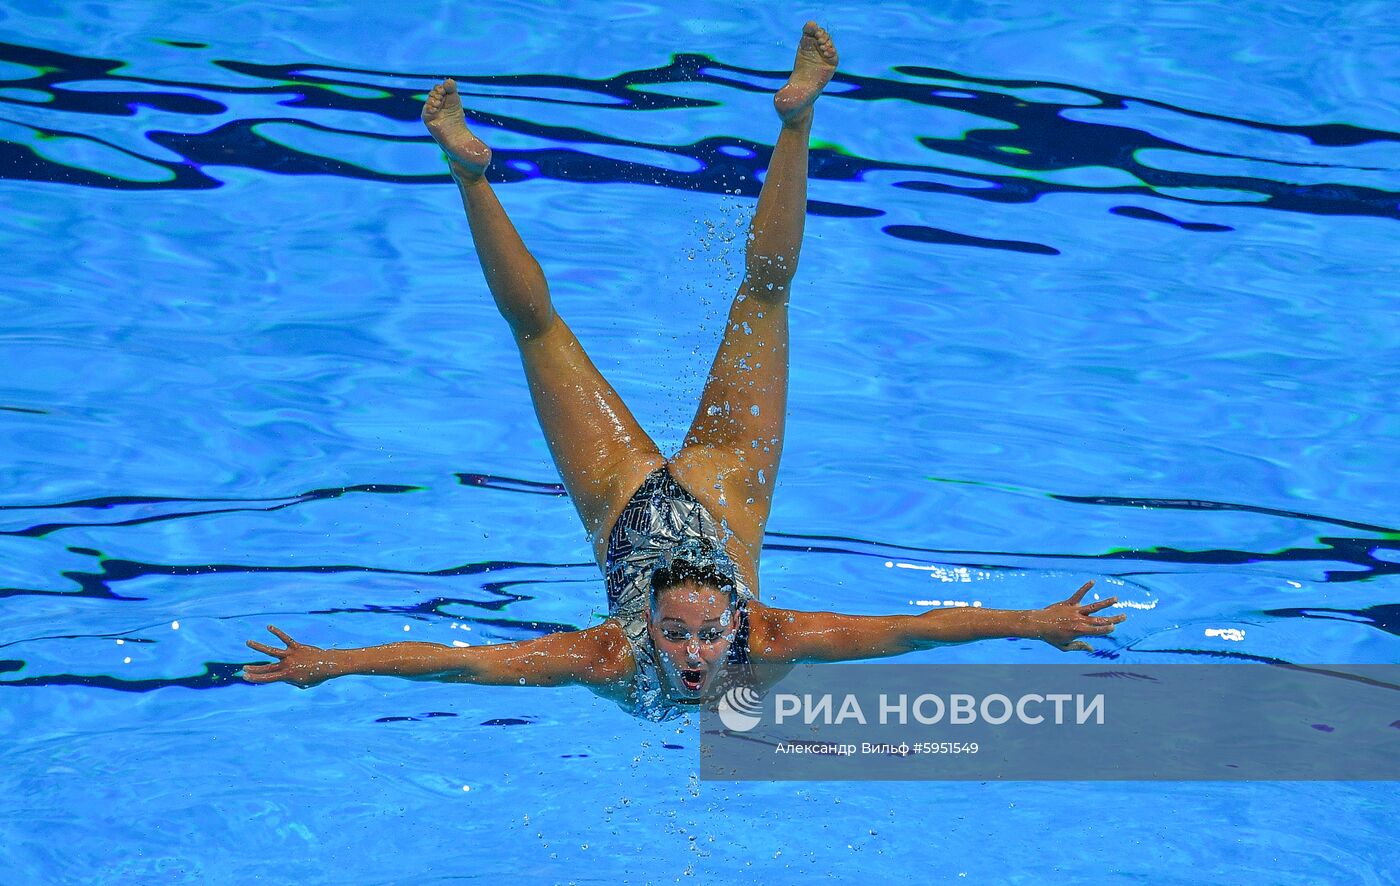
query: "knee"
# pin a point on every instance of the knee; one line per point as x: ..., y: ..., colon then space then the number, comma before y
x: 771, y: 267
x: 769, y: 277
x: 532, y: 324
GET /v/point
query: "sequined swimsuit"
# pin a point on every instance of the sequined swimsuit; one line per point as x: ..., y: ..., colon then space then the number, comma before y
x: 660, y: 523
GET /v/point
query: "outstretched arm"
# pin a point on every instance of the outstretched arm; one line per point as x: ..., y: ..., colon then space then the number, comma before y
x: 793, y: 636
x: 589, y: 657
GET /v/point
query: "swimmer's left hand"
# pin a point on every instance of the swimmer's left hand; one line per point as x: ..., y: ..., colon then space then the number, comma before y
x: 1061, y: 624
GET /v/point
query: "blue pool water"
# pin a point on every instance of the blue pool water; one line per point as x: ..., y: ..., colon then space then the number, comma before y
x: 1103, y: 292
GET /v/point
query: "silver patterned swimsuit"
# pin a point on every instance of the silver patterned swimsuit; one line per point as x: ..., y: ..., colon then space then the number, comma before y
x: 661, y: 523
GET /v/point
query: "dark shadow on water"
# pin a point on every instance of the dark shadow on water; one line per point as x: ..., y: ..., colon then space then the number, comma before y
x: 1034, y: 137
x: 497, y: 595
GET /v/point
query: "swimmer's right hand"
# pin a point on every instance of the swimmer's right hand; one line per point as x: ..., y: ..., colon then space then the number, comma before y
x: 298, y: 664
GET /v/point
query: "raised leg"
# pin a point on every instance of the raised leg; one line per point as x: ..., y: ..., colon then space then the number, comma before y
x: 737, y: 437
x: 600, y: 450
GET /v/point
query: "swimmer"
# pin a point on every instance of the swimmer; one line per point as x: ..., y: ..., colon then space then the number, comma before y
x: 678, y: 539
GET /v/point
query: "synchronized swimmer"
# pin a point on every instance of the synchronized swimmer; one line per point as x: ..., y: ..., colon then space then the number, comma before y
x: 678, y: 539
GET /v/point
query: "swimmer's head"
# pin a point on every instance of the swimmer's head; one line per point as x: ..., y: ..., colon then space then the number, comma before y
x: 692, y: 624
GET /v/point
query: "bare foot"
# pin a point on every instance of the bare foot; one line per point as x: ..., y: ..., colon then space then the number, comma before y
x: 467, y: 155
x: 816, y: 62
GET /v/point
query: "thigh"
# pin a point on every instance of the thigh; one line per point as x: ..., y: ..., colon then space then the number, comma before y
x: 737, y: 434
x: 716, y: 478
x: 601, y: 452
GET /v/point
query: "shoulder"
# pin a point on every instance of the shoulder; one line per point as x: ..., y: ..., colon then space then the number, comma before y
x: 770, y: 631
x: 613, y: 667
x: 770, y: 657
x: 610, y: 650
x: 788, y: 636
x: 596, y: 656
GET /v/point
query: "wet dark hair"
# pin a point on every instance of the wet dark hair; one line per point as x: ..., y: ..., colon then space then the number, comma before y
x: 682, y: 570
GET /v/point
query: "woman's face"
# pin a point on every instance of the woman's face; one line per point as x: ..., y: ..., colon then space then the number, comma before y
x: 691, y: 627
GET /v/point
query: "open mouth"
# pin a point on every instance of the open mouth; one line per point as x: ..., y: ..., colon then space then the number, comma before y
x: 692, y: 679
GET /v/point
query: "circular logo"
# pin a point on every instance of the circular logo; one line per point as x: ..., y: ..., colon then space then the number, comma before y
x: 740, y: 709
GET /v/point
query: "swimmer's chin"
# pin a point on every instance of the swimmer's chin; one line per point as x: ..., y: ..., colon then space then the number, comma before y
x: 703, y: 698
